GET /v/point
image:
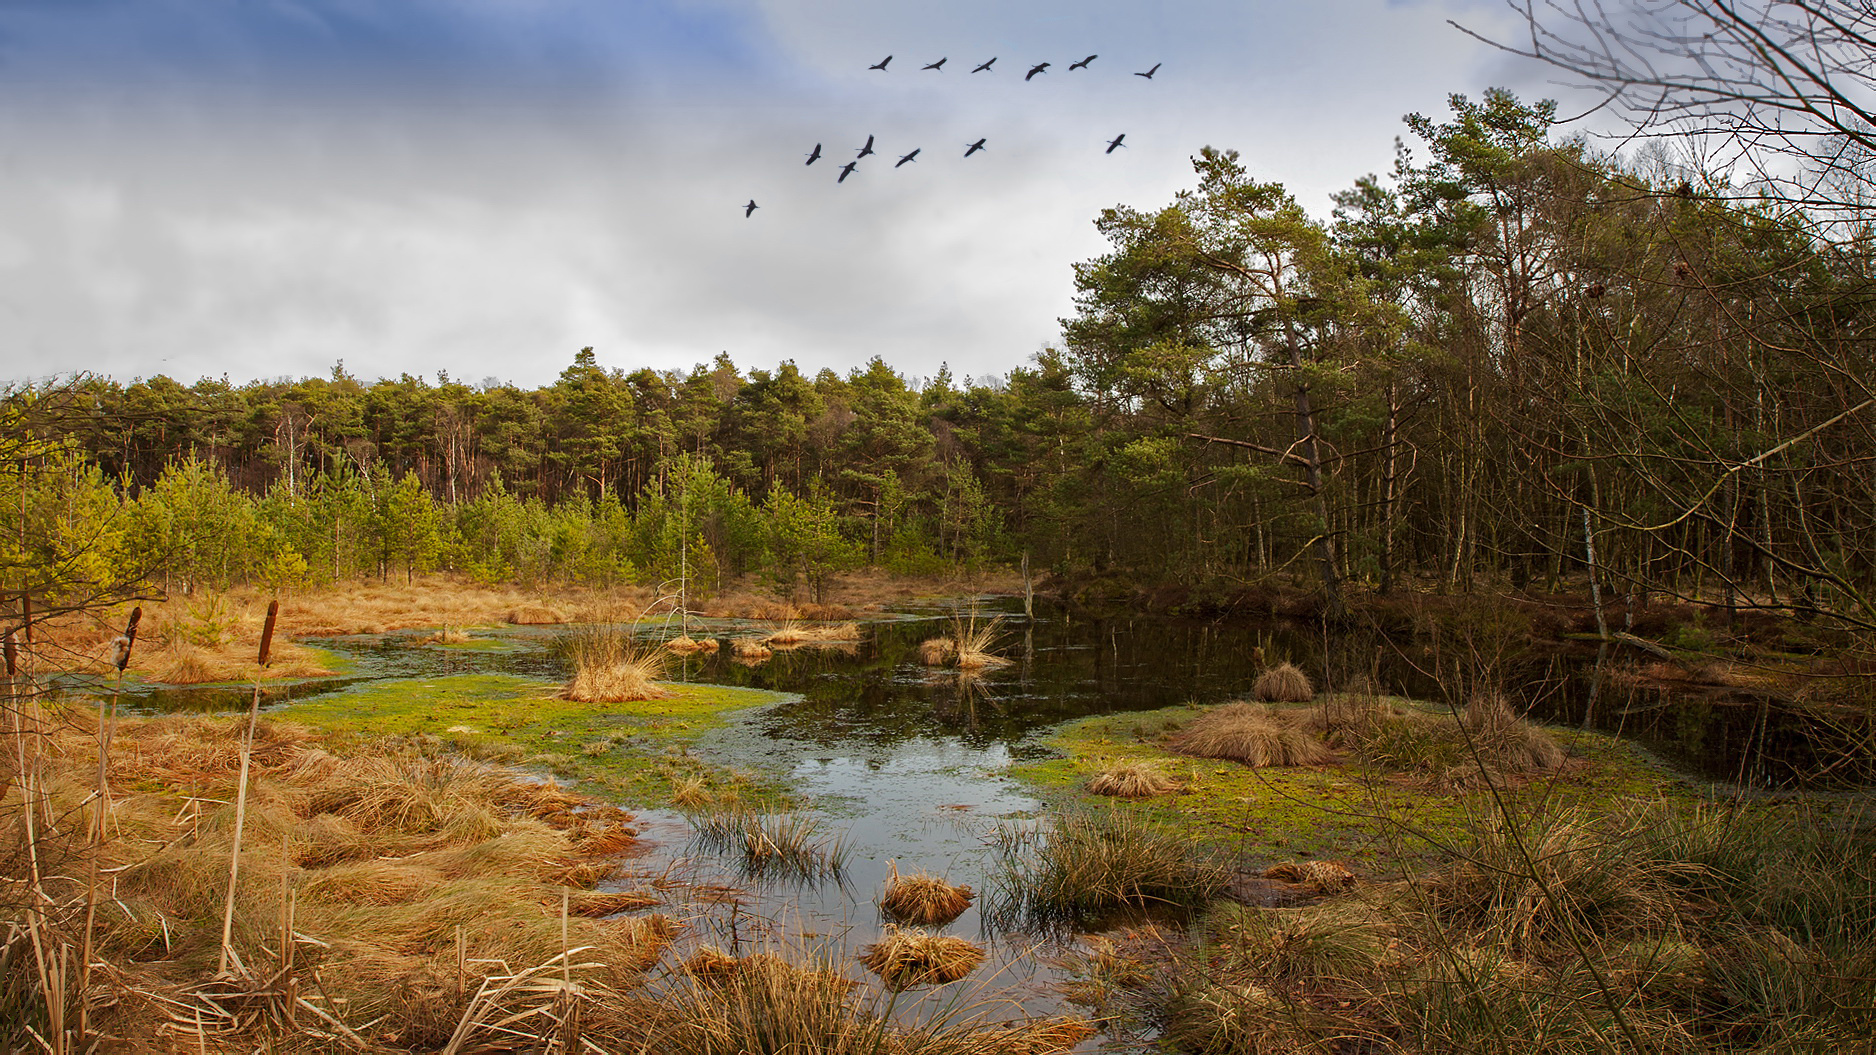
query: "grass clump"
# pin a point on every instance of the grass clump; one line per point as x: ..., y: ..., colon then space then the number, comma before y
x: 1250, y: 733
x: 923, y: 899
x: 790, y: 844
x: 968, y: 645
x: 684, y: 645
x: 1132, y: 780
x: 905, y: 957
x: 1283, y: 683
x: 1088, y: 865
x: 610, y: 667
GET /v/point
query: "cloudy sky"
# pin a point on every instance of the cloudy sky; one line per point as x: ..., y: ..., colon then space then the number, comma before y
x: 264, y: 188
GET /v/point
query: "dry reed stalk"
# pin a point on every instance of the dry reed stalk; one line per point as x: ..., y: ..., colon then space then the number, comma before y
x: 923, y: 899
x: 903, y: 958
x: 1133, y: 780
x: 1283, y: 683
x: 974, y: 643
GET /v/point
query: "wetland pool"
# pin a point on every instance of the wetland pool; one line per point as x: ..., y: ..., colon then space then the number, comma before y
x: 906, y: 765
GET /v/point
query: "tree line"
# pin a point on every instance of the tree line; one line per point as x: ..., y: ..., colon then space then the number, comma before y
x: 1510, y: 361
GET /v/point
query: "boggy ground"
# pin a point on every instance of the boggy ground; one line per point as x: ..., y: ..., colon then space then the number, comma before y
x: 391, y: 896
x: 214, y: 637
x: 1373, y: 902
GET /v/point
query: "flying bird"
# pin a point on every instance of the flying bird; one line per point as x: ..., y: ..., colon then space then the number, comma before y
x: 816, y: 156
x: 881, y: 64
x: 847, y: 170
x: 1083, y: 64
x: 865, y: 150
x: 985, y: 66
x: 750, y: 209
x: 1149, y: 74
x: 1037, y: 68
x: 913, y: 156
x: 974, y: 147
x: 939, y: 65
x: 1116, y: 143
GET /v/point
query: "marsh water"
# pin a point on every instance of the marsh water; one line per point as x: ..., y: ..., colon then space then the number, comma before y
x: 908, y: 767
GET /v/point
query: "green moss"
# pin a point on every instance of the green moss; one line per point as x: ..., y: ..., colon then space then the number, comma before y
x: 1380, y: 822
x: 629, y: 751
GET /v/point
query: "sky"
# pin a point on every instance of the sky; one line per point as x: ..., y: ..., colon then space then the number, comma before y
x: 480, y: 188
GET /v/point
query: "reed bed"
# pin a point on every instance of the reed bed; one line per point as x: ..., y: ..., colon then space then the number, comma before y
x: 924, y: 900
x: 750, y: 649
x: 907, y: 957
x: 1322, y: 877
x: 794, y: 634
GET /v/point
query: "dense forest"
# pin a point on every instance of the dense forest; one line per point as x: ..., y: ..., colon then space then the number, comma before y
x: 1510, y: 361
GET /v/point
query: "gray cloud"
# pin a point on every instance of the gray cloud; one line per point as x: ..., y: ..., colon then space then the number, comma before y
x: 490, y: 219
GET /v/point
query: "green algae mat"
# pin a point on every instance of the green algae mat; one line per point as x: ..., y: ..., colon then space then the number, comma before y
x: 630, y: 750
x: 1377, y: 820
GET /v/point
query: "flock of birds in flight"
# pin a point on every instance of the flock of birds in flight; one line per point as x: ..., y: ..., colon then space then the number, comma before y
x: 970, y: 148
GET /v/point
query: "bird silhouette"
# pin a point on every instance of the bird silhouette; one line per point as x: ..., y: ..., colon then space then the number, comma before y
x: 974, y: 147
x: 816, y: 156
x: 913, y: 156
x: 1116, y: 143
x: 985, y: 66
x: 847, y: 170
x: 1083, y: 64
x: 881, y: 64
x: 939, y: 65
x: 865, y: 150
x: 750, y: 209
x: 1149, y: 74
x: 1037, y: 68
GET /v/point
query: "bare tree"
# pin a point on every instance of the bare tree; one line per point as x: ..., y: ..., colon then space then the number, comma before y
x: 1781, y: 94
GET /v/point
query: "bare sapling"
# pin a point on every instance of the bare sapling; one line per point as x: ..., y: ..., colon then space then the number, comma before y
x: 241, y: 792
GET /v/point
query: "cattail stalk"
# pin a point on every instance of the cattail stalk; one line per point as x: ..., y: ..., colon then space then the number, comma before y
x: 241, y: 793
x: 101, y: 810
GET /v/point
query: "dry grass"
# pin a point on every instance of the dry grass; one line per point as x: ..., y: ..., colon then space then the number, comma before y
x: 1133, y: 780
x: 750, y: 648
x: 967, y: 647
x: 686, y: 645
x: 1321, y: 876
x: 1283, y: 683
x: 536, y: 615
x: 610, y: 667
x: 925, y: 900
x: 905, y: 957
x: 793, y: 634
x: 413, y: 878
x: 1250, y: 733
x: 1506, y: 741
